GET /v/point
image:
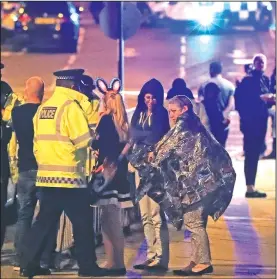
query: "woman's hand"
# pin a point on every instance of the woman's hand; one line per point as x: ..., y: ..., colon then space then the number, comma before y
x: 99, y: 169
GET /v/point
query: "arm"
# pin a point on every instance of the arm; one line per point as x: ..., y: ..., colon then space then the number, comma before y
x: 231, y: 103
x: 12, y: 150
x: 203, y: 116
x: 239, y: 96
x: 201, y: 93
x: 77, y: 126
x: 107, y: 139
x: 35, y: 145
x: 230, y: 107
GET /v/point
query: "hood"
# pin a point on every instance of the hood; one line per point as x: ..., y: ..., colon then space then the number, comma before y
x: 179, y: 87
x: 154, y: 87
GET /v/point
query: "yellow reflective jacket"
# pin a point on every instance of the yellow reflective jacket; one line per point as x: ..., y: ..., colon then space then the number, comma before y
x: 61, y: 139
x: 13, y: 100
x: 90, y: 109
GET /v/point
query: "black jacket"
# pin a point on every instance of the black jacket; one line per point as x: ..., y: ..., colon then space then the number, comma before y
x: 253, y: 111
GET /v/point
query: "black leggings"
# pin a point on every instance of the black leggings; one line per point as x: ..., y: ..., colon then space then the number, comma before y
x: 252, y: 145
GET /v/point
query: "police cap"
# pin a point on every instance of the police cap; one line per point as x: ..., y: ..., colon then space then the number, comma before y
x: 87, y: 81
x: 72, y: 74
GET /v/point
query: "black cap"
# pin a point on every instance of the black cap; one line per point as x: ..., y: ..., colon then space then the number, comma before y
x: 87, y: 81
x: 72, y: 74
x: 2, y: 66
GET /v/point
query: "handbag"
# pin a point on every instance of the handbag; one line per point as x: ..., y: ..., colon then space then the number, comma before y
x: 103, y: 175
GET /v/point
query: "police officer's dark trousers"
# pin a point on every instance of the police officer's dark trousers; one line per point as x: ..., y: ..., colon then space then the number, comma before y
x: 4, y: 189
x: 75, y: 203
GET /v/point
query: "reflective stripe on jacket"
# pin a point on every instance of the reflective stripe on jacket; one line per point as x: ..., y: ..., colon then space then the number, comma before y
x: 13, y: 100
x: 93, y: 119
x: 61, y: 139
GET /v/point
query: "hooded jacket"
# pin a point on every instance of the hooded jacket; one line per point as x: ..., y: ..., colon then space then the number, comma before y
x: 253, y: 111
x: 157, y: 125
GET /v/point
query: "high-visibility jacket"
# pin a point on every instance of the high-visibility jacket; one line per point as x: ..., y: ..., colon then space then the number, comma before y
x: 61, y: 139
x: 13, y: 100
x: 90, y: 109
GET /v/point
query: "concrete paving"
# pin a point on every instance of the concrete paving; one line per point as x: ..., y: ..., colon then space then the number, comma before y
x: 242, y: 241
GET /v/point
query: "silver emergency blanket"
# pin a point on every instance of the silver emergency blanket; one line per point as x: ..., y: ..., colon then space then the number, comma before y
x: 190, y: 166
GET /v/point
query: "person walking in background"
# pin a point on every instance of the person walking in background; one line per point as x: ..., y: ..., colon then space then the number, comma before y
x: 219, y: 126
x: 253, y: 112
x: 22, y: 122
x: 179, y: 88
x: 225, y: 98
x: 112, y: 134
x: 149, y: 124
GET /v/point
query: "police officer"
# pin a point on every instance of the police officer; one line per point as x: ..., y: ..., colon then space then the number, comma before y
x: 89, y: 102
x: 61, y: 138
x: 6, y: 134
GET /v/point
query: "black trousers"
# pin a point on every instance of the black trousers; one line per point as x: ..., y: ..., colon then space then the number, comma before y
x: 4, y: 193
x: 220, y: 134
x: 252, y: 145
x: 75, y: 203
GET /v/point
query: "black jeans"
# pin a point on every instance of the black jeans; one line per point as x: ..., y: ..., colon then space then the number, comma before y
x: 252, y: 145
x: 28, y: 195
x: 4, y: 190
x: 76, y: 204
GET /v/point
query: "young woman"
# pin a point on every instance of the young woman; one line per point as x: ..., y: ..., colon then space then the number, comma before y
x: 112, y: 133
x: 149, y: 124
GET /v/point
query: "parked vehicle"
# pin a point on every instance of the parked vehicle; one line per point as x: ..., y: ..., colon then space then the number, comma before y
x: 49, y: 24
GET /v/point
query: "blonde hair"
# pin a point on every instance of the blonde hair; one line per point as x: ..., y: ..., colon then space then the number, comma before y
x: 260, y: 56
x: 115, y: 106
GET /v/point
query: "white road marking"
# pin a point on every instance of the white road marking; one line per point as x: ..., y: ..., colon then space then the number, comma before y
x: 130, y: 52
x: 6, y: 53
x: 244, y: 28
x: 81, y: 38
x: 183, y: 52
x: 72, y: 58
x: 242, y: 61
x: 226, y: 217
x: 237, y: 53
x: 272, y: 34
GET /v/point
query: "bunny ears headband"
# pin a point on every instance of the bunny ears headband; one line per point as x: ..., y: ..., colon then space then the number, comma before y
x: 103, y: 87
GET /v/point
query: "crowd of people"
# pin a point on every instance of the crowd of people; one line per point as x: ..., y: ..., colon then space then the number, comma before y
x: 76, y: 141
